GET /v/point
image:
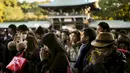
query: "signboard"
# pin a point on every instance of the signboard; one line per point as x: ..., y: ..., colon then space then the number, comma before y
x: 67, y: 20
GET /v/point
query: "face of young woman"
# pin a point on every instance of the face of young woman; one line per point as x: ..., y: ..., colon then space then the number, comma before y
x: 99, y: 29
x: 45, y: 51
x: 73, y: 37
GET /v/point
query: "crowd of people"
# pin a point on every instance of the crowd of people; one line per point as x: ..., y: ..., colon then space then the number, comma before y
x: 88, y: 50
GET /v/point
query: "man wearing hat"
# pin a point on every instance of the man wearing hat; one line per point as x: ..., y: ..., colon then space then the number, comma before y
x: 105, y: 58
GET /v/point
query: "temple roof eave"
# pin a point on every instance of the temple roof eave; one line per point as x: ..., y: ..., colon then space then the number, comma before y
x: 53, y: 6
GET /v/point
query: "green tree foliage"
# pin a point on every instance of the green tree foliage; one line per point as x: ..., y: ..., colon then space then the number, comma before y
x: 26, y: 7
x: 37, y: 10
x: 116, y: 9
x: 1, y: 11
x: 13, y: 13
x: 12, y: 10
x: 9, y: 2
x: 33, y: 11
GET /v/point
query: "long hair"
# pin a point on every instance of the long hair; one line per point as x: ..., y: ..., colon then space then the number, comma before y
x: 32, y: 43
x: 52, y: 42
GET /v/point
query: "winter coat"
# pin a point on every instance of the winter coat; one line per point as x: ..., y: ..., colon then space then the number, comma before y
x: 59, y: 64
x: 115, y: 63
x: 81, y: 61
x: 2, y: 49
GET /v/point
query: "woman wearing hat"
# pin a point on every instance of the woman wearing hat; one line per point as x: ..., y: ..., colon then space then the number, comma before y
x: 105, y: 58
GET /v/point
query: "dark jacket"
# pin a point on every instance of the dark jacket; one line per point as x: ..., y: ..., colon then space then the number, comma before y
x: 8, y: 54
x: 81, y: 61
x: 42, y: 66
x: 2, y: 48
x: 59, y: 64
x: 115, y: 63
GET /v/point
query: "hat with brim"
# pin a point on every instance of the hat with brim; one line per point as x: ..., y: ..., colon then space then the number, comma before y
x: 103, y: 39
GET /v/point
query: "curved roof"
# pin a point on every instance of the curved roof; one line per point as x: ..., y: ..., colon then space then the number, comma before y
x: 112, y: 23
x: 30, y: 24
x: 59, y: 3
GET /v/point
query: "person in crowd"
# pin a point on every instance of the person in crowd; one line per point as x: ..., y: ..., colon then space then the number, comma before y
x: 2, y: 35
x: 28, y: 45
x: 32, y: 50
x: 2, y: 64
x: 44, y: 58
x: 9, y: 53
x: 32, y: 42
x: 58, y: 34
x: 65, y: 38
x: 21, y: 47
x: 22, y: 30
x: 31, y: 45
x: 12, y: 30
x: 73, y: 46
x: 57, y: 60
x: 87, y: 37
x: 115, y: 34
x: 103, y: 27
x: 40, y: 31
x: 123, y: 46
x: 105, y: 58
x: 123, y: 32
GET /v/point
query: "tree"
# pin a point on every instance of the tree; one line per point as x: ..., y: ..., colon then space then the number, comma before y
x: 25, y: 6
x: 32, y: 11
x: 14, y: 2
x: 13, y: 14
x: 10, y: 11
x: 1, y: 12
x: 116, y: 9
x: 9, y: 2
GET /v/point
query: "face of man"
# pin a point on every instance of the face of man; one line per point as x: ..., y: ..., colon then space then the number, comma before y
x: 84, y: 38
x: 99, y: 29
x: 104, y: 52
x: 9, y: 30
